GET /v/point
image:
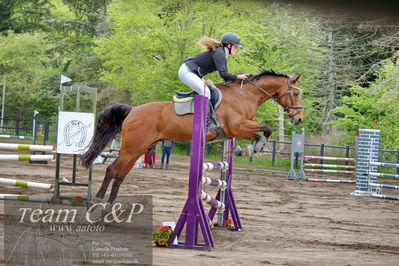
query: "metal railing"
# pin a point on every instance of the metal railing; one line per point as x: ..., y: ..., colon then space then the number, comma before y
x: 326, y: 150
x: 18, y: 126
x: 273, y: 147
x: 24, y: 127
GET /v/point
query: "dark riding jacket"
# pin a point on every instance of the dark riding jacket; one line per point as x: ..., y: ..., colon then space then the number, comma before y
x: 210, y: 61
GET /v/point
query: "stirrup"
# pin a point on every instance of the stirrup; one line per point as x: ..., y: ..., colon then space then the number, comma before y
x: 210, y: 126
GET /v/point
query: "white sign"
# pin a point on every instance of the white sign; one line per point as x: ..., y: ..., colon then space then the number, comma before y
x: 75, y: 131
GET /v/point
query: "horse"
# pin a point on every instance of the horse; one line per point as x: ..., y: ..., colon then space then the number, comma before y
x: 145, y: 124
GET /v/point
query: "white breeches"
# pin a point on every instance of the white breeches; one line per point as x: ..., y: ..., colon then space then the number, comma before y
x: 193, y: 81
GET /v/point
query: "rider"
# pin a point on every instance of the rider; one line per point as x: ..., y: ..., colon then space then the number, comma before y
x: 214, y: 58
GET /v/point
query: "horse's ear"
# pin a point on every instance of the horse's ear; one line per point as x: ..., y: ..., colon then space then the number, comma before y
x: 296, y: 78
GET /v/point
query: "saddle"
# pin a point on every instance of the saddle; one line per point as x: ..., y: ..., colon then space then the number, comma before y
x: 184, y: 101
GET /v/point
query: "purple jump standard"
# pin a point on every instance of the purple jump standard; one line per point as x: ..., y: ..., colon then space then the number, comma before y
x: 193, y: 216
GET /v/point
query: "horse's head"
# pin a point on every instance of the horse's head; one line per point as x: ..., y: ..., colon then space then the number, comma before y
x: 289, y: 97
x: 284, y: 90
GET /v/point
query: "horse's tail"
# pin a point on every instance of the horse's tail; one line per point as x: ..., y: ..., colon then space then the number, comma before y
x: 109, y: 123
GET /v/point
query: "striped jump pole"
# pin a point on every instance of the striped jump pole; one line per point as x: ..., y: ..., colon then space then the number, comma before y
x: 225, y: 194
x: 331, y: 180
x: 26, y: 157
x: 25, y: 147
x: 25, y: 198
x: 212, y: 201
x: 377, y: 193
x: 14, y: 137
x: 330, y: 158
x: 391, y: 165
x: 375, y: 189
x: 214, y: 182
x: 215, y: 166
x: 381, y: 196
x: 384, y: 175
x: 330, y: 165
x: 21, y: 183
x: 329, y: 171
x: 322, y: 169
x: 367, y: 166
x: 383, y: 186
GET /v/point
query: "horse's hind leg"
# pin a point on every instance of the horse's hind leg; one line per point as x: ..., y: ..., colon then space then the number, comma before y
x: 104, y: 185
x: 122, y: 168
x: 117, y: 171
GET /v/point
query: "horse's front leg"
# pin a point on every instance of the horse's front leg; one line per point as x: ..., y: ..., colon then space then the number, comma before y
x: 247, y: 130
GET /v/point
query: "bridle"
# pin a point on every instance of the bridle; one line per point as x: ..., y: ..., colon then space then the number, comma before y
x: 277, y: 99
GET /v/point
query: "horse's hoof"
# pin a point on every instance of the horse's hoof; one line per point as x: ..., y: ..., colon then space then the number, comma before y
x: 260, y: 144
x: 248, y: 151
x: 93, y: 201
x: 97, y: 200
x: 238, y: 151
x: 107, y: 208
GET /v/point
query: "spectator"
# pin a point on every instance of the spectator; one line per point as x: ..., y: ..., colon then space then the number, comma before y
x: 150, y: 151
x: 167, y: 146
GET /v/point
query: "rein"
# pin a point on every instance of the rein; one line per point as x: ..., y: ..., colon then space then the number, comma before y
x: 277, y: 99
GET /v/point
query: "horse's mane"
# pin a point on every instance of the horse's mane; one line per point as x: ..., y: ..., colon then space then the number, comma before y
x: 269, y: 72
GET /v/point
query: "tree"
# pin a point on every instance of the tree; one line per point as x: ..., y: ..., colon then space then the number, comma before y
x: 350, y: 47
x: 63, y: 45
x: 375, y: 105
x: 24, y: 16
x: 24, y: 62
x: 149, y: 42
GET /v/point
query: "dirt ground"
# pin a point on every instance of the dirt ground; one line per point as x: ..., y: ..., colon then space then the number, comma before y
x: 284, y: 222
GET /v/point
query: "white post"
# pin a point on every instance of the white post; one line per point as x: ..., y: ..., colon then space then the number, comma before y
x: 2, y: 103
x: 34, y: 126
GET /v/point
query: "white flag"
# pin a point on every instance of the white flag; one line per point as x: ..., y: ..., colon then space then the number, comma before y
x: 64, y: 79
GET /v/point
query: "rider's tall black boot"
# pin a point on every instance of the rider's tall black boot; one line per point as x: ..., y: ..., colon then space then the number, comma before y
x: 212, y: 123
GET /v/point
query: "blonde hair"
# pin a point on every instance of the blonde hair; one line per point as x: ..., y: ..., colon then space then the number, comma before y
x: 209, y: 44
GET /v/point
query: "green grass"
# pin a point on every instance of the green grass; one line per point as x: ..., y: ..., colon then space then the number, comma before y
x: 386, y: 170
x: 5, y: 132
x: 52, y: 138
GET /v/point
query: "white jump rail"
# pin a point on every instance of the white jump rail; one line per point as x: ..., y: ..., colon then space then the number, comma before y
x: 25, y: 198
x: 22, y: 157
x: 212, y: 201
x: 25, y: 147
x: 331, y: 180
x: 21, y: 183
x: 330, y: 158
x: 322, y: 169
x: 378, y: 193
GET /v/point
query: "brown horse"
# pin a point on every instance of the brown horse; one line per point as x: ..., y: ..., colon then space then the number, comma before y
x: 143, y: 125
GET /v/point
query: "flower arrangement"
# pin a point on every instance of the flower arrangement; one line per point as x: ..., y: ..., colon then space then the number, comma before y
x: 161, y: 235
x: 76, y: 201
x: 228, y: 223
